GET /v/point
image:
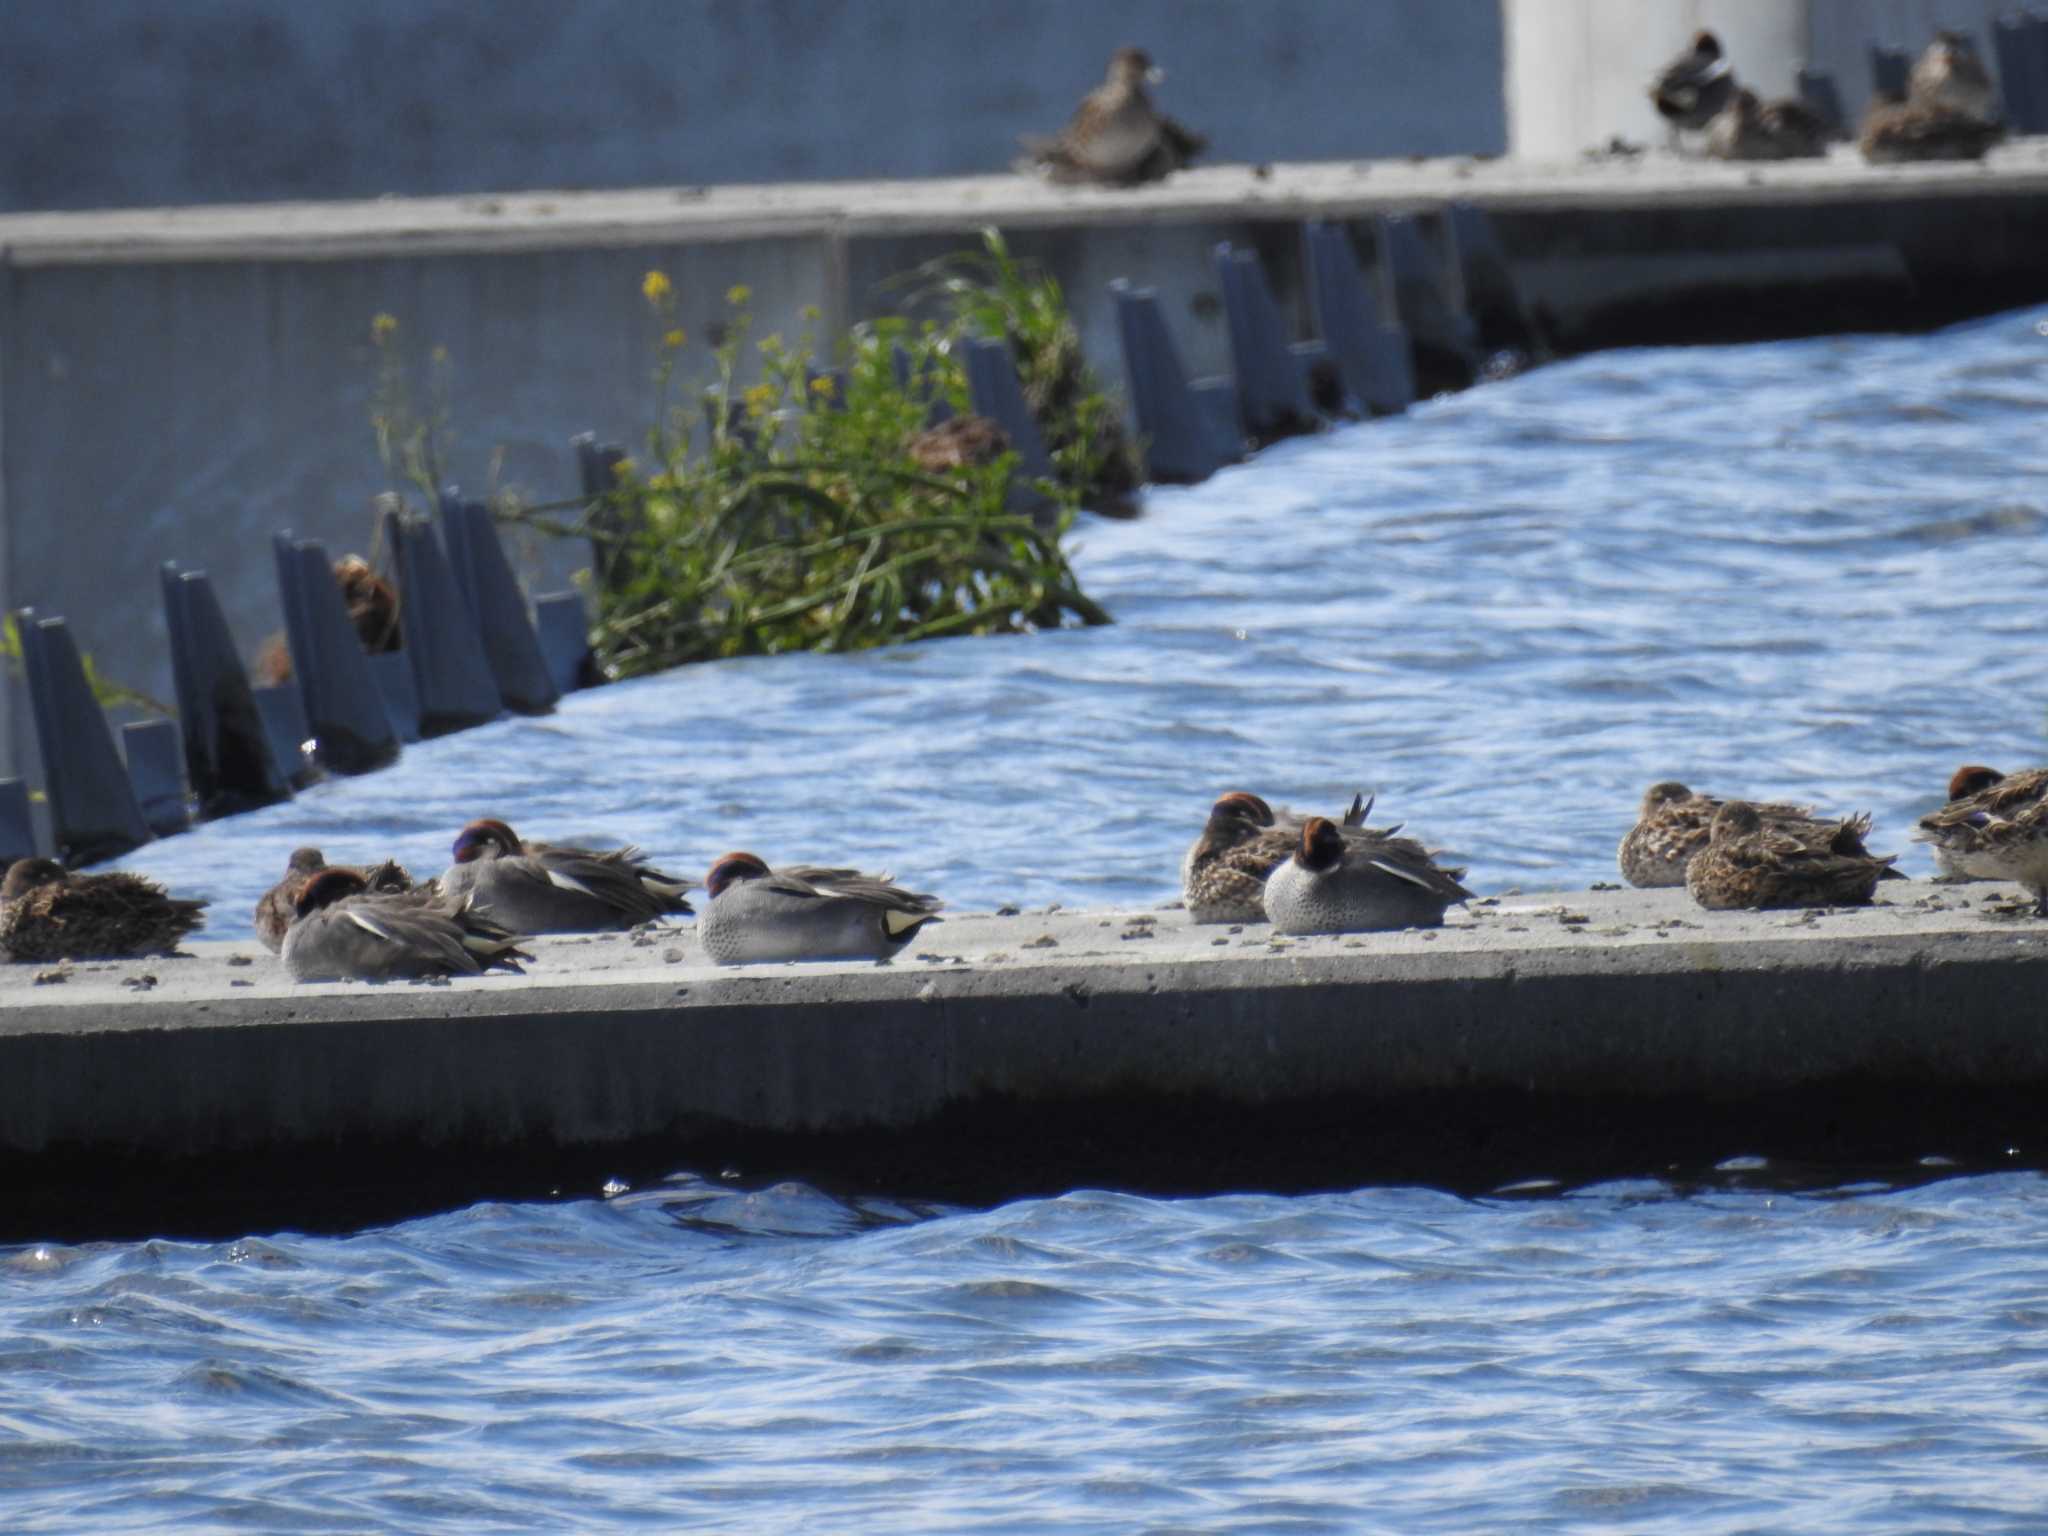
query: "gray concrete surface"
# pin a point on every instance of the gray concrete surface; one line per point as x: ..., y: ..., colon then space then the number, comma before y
x: 1612, y: 997
x: 179, y: 383
x: 129, y: 102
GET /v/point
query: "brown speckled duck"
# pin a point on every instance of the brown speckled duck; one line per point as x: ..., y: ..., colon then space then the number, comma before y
x: 1950, y: 77
x: 958, y: 442
x: 1896, y: 132
x: 1695, y: 85
x: 1995, y: 829
x: 1750, y: 129
x: 1116, y: 137
x: 1339, y: 882
x: 49, y: 913
x: 1749, y: 865
x: 275, y: 910
x: 341, y: 931
x: 1674, y: 823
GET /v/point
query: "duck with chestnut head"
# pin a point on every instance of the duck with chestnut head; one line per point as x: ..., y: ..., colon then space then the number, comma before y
x: 274, y: 911
x: 49, y: 913
x: 341, y: 930
x: 1116, y: 137
x: 1750, y: 865
x: 1994, y: 827
x: 548, y: 888
x: 1332, y: 883
x: 754, y: 914
x: 1223, y: 875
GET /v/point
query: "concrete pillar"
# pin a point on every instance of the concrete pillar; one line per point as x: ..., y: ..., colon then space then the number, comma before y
x: 1578, y: 70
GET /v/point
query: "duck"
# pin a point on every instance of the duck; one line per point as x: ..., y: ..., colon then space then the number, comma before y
x: 1750, y: 865
x: 1750, y: 129
x: 755, y: 914
x: 1224, y: 871
x: 545, y: 888
x: 1993, y: 828
x: 274, y: 909
x: 1336, y: 882
x: 1896, y: 132
x: 49, y: 913
x: 1116, y: 137
x: 1691, y: 90
x: 1950, y: 76
x: 341, y: 930
x: 1674, y: 822
x: 958, y: 442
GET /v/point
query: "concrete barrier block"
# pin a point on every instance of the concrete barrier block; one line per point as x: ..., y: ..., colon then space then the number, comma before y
x: 450, y: 674
x: 993, y: 388
x: 497, y: 607
x: 1889, y: 69
x: 292, y: 743
x: 1272, y: 388
x: 154, y: 752
x: 17, y: 823
x: 229, y: 764
x: 343, y: 707
x: 1425, y: 293
x: 563, y: 629
x: 937, y: 407
x: 2020, y: 46
x: 1488, y: 293
x: 392, y: 672
x: 1188, y: 430
x: 597, y: 471
x: 92, y: 805
x: 1371, y: 351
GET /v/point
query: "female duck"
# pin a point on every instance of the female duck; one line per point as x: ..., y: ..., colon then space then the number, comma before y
x: 543, y: 888
x: 1116, y: 136
x: 275, y: 911
x: 1674, y: 823
x: 757, y: 914
x: 341, y: 930
x: 1751, y: 865
x: 49, y: 913
x: 1334, y: 883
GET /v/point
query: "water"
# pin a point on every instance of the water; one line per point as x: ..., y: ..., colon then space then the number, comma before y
x: 1800, y: 571
x: 1803, y: 569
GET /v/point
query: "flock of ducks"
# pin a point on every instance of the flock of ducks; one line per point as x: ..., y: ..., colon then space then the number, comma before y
x: 1251, y: 864
x: 1949, y: 111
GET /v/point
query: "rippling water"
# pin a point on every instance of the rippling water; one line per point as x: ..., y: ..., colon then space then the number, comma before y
x: 1805, y: 569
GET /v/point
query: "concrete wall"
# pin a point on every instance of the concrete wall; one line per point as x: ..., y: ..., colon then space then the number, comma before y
x: 147, y: 102
x: 1577, y: 70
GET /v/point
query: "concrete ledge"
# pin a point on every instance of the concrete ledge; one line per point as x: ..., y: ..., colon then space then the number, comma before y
x: 1152, y: 1040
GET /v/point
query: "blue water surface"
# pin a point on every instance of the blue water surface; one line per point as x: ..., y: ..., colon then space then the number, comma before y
x: 1808, y: 569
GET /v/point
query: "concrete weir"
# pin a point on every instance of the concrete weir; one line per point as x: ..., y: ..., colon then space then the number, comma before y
x: 1568, y: 1036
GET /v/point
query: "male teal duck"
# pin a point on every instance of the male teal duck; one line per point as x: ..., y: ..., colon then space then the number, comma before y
x: 1338, y: 882
x: 755, y: 914
x: 343, y: 931
x: 1995, y: 830
x: 549, y: 888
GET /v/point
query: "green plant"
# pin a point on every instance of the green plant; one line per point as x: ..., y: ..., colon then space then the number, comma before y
x: 412, y: 443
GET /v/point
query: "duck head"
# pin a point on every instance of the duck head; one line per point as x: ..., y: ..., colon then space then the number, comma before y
x: 1657, y: 796
x: 305, y: 861
x: 24, y: 875
x: 1738, y: 818
x: 1134, y: 66
x: 328, y: 887
x: 1706, y: 45
x: 1239, y: 811
x: 1971, y: 779
x: 1322, y: 846
x: 486, y: 839
x: 731, y: 868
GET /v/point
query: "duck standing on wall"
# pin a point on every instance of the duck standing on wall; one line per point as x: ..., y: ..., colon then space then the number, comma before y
x: 755, y: 914
x: 1749, y: 865
x: 544, y: 888
x: 1994, y: 831
x: 1336, y: 882
x: 1116, y: 137
x: 342, y: 931
x: 1693, y: 88
x: 274, y: 911
x: 49, y: 913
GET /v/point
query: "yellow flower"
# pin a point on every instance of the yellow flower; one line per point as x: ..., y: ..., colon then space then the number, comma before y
x: 770, y: 344
x: 383, y: 327
x: 739, y: 295
x: 811, y: 314
x: 760, y: 399
x: 656, y: 287
x: 439, y: 356
x: 673, y: 339
x: 623, y: 470
x: 662, y: 482
x: 824, y: 386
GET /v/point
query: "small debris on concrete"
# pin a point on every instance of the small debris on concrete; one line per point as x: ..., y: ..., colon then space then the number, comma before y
x: 1604, y: 885
x: 241, y: 982
x: 1006, y: 910
x: 140, y: 983
x: 240, y: 960
x: 1043, y: 941
x: 53, y: 977
x: 1138, y: 933
x: 1573, y: 919
x: 1219, y: 941
x: 672, y: 955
